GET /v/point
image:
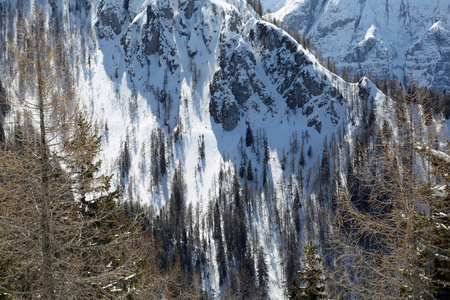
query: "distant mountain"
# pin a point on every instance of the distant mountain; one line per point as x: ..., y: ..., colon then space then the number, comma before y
x: 384, y: 38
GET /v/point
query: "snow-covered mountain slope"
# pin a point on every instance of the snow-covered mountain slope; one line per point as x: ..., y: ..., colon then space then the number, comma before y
x: 383, y: 38
x: 202, y: 72
x: 205, y: 69
x: 178, y: 84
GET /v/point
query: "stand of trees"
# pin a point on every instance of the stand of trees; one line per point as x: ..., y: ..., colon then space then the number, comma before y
x: 62, y: 233
x: 391, y: 210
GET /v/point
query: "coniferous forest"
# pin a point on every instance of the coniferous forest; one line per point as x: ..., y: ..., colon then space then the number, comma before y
x: 287, y: 181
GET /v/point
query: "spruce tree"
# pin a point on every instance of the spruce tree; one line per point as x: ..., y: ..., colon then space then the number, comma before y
x: 248, y: 136
x: 250, y: 171
x: 242, y: 168
x: 263, y: 271
x: 310, y: 281
x: 310, y: 152
x: 217, y: 231
x: 302, y: 157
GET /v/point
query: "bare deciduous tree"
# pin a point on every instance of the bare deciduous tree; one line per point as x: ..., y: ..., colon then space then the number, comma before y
x: 385, y: 231
x: 61, y: 231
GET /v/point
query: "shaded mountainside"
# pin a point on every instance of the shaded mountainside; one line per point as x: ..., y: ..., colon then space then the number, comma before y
x: 221, y: 127
x: 388, y: 38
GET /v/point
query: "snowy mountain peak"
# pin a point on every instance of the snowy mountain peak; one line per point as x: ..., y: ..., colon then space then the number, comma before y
x: 342, y: 29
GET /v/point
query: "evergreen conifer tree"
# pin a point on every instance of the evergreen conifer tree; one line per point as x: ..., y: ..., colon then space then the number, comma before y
x: 263, y: 272
x: 248, y: 136
x: 250, y: 176
x: 310, y: 281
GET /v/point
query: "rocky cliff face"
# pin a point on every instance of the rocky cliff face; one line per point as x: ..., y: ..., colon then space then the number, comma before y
x: 239, y: 84
x: 383, y: 38
x: 255, y: 63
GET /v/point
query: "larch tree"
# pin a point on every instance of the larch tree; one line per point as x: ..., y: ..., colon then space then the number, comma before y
x: 386, y: 233
x: 62, y: 234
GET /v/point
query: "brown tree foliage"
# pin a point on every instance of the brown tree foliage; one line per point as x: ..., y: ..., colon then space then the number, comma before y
x: 62, y: 233
x: 385, y: 231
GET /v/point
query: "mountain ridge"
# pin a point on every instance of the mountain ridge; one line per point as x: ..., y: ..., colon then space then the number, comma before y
x: 338, y: 29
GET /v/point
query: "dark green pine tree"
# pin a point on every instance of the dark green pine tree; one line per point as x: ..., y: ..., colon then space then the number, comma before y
x: 217, y: 232
x: 263, y: 272
x: 242, y: 169
x: 250, y: 171
x: 302, y: 157
x: 310, y: 281
x: 249, y: 136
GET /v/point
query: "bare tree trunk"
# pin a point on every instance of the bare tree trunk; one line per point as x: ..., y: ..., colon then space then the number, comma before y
x: 45, y: 168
